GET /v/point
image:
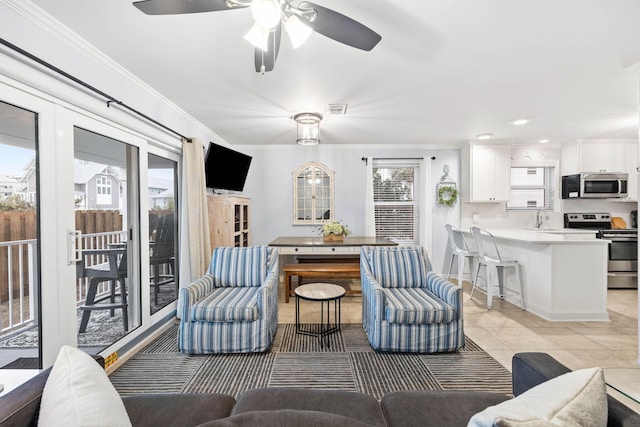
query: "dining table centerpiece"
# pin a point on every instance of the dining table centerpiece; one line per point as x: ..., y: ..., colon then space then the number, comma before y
x: 334, y: 230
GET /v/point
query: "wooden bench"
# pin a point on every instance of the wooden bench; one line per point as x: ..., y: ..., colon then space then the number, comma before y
x: 329, y: 259
x: 339, y: 270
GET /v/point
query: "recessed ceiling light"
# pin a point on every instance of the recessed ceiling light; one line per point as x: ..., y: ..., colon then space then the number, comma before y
x: 543, y: 141
x: 519, y: 122
x: 484, y: 136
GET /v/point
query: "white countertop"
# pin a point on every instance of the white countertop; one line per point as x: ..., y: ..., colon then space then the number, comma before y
x: 564, y: 230
x: 544, y: 236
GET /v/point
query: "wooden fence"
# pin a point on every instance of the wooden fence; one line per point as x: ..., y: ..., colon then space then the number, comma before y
x: 15, y: 225
x: 22, y: 225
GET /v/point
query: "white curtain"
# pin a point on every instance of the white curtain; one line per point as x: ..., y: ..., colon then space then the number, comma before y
x: 370, y: 219
x: 195, y: 219
x: 426, y: 204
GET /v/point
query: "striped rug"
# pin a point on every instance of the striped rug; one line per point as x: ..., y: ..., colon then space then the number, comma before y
x: 348, y: 363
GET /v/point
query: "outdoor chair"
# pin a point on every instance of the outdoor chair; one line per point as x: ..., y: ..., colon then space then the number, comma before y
x: 163, y: 254
x: 405, y: 306
x: 233, y: 308
x: 114, y: 271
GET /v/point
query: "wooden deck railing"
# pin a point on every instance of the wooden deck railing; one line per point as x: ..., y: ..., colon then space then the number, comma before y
x: 17, y: 284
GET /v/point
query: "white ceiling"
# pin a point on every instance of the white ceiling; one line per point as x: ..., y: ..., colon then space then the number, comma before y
x: 445, y: 70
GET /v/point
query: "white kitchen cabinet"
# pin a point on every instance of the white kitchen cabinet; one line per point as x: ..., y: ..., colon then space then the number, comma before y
x: 597, y: 155
x: 631, y: 169
x: 486, y: 173
x: 603, y: 155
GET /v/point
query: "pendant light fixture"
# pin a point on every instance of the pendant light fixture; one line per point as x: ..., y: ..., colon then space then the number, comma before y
x: 308, y: 128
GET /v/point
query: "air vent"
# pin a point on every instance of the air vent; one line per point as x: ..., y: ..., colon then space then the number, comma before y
x: 337, y: 109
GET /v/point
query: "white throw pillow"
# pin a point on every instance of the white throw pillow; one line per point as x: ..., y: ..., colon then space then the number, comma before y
x: 577, y: 398
x: 78, y: 393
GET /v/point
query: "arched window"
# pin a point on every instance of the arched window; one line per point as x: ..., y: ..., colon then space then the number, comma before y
x: 313, y: 194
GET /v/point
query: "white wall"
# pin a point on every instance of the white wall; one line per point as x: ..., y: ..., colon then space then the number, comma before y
x: 269, y: 185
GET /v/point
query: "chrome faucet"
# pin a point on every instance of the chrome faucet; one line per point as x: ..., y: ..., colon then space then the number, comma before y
x: 540, y: 217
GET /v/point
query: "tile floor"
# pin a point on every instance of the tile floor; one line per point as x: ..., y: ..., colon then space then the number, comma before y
x: 506, y: 329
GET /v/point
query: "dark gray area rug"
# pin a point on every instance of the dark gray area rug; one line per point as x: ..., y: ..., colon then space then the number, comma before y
x: 349, y: 363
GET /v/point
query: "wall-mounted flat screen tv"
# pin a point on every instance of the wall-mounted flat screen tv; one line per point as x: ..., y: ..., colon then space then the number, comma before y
x: 225, y: 169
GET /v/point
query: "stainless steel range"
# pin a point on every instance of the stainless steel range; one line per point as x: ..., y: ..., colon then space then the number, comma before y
x: 623, y: 249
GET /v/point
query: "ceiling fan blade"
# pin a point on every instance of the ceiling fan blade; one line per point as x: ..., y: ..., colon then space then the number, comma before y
x: 171, y: 7
x: 341, y: 28
x: 268, y: 58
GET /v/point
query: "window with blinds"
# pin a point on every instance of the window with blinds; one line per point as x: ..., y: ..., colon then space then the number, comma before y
x: 532, y: 188
x: 395, y: 200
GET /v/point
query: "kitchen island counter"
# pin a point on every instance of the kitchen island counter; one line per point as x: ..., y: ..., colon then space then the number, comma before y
x: 562, y: 236
x: 564, y: 279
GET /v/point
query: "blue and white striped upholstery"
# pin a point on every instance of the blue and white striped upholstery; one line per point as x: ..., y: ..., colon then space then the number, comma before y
x: 238, y: 267
x: 399, y: 267
x: 394, y: 314
x: 234, y: 307
x: 416, y: 305
x: 227, y: 305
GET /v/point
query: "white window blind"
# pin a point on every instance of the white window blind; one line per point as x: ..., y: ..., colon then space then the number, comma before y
x: 532, y: 188
x: 395, y: 200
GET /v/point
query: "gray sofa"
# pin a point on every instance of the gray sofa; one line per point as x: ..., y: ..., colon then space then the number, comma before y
x: 294, y: 407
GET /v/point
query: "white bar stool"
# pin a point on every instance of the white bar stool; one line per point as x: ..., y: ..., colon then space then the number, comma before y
x: 489, y: 257
x: 461, y: 250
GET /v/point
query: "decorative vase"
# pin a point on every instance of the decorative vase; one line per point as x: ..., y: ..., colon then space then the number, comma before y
x: 334, y: 237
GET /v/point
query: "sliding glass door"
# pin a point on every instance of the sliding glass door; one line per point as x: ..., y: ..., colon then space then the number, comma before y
x: 88, y: 230
x: 162, y: 179
x: 19, y: 239
x: 106, y: 211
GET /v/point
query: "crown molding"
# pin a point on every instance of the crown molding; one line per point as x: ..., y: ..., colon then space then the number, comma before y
x: 66, y: 36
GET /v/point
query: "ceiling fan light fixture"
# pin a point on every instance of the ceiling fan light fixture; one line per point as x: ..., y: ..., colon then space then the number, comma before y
x: 296, y: 29
x: 258, y: 36
x: 266, y: 12
x: 308, y: 128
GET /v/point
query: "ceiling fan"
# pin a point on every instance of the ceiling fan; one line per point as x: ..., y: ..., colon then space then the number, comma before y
x: 270, y: 17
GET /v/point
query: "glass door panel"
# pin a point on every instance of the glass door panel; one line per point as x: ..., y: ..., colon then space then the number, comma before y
x: 106, y: 215
x: 162, y: 181
x: 19, y: 239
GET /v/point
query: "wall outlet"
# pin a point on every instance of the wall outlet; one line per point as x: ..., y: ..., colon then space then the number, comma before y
x: 498, y: 217
x: 475, y: 218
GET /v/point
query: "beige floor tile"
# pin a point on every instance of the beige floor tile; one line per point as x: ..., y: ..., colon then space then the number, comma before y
x: 566, y: 338
x: 605, y: 330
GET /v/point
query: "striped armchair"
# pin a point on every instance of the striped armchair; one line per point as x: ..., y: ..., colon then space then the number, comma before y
x: 233, y: 308
x: 405, y: 306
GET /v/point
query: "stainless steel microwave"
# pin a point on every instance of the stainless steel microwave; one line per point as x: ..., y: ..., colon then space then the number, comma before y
x: 596, y: 185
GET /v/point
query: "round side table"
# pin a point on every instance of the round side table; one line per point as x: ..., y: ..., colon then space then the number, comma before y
x: 323, y: 292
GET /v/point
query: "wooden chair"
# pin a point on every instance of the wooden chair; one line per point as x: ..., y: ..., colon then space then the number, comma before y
x: 153, y: 224
x: 114, y: 270
x: 163, y: 253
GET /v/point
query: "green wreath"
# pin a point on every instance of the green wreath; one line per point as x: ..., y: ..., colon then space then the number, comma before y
x: 447, y: 195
